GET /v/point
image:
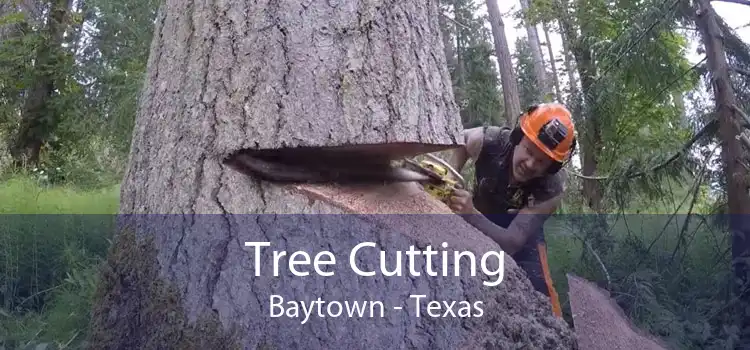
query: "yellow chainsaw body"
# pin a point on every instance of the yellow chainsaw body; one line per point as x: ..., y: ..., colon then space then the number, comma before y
x: 443, y: 189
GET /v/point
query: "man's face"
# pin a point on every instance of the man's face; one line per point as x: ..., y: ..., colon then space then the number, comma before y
x: 529, y: 161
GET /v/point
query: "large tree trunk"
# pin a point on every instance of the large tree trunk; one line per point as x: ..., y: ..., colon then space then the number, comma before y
x: 732, y: 156
x: 286, y: 77
x: 508, y: 80
x: 295, y: 75
x: 536, y: 54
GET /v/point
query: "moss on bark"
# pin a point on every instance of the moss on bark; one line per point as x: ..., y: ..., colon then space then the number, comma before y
x: 136, y: 308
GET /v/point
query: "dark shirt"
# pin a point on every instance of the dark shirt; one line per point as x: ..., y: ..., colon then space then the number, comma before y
x: 493, y: 193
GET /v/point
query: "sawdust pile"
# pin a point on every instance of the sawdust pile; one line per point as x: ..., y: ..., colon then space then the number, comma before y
x: 600, y: 323
x: 515, y: 316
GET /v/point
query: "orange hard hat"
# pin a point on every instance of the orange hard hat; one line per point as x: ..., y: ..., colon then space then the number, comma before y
x: 550, y: 127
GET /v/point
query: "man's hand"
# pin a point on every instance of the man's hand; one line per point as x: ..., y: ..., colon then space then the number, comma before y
x: 461, y: 202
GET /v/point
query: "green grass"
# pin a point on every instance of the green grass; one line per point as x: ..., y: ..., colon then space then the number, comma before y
x: 21, y: 195
x: 48, y: 260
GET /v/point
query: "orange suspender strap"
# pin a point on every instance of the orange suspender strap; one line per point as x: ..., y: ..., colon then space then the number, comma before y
x: 548, y: 279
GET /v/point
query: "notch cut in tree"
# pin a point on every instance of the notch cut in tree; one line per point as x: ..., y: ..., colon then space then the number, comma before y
x: 236, y: 77
x: 291, y: 75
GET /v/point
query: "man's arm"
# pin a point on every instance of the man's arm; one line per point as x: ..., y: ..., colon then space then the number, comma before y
x: 509, y: 243
x: 472, y: 146
x: 512, y: 239
x: 547, y: 198
x: 528, y: 221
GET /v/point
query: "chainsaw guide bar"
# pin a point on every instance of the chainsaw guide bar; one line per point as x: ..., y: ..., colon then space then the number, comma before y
x: 321, y: 167
x: 311, y: 165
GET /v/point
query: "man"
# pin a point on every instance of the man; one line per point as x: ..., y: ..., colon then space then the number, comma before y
x: 511, y: 166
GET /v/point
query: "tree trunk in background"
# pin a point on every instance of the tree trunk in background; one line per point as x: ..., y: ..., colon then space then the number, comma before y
x: 460, y: 71
x: 294, y: 75
x: 553, y: 64
x: 590, y: 141
x: 77, y: 37
x: 732, y: 156
x: 569, y: 68
x: 448, y: 48
x: 679, y: 102
x: 37, y: 118
x: 536, y: 54
x: 589, y: 135
x: 508, y: 78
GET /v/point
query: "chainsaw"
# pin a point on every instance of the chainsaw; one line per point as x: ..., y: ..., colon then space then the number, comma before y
x: 443, y: 178
x: 334, y: 165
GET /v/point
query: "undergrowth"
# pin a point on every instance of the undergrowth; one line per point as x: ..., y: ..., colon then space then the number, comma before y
x: 671, y: 281
x: 48, y: 262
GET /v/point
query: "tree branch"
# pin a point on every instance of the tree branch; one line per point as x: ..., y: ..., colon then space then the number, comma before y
x: 601, y: 264
x: 740, y: 70
x: 709, y: 128
x: 741, y: 2
x: 745, y: 118
x: 453, y: 20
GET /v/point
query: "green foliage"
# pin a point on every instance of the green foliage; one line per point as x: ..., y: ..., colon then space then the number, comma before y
x: 475, y: 78
x: 630, y: 121
x: 482, y: 105
x: 117, y: 61
x: 528, y: 87
x: 669, y: 274
x: 16, y: 72
x: 89, y: 116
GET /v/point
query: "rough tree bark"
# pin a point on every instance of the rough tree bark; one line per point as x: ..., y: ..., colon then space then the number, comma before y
x: 733, y: 156
x: 233, y: 75
x: 511, y: 97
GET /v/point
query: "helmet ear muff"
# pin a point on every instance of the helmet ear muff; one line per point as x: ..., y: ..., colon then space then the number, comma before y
x: 517, y: 134
x: 531, y: 109
x: 556, y: 166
